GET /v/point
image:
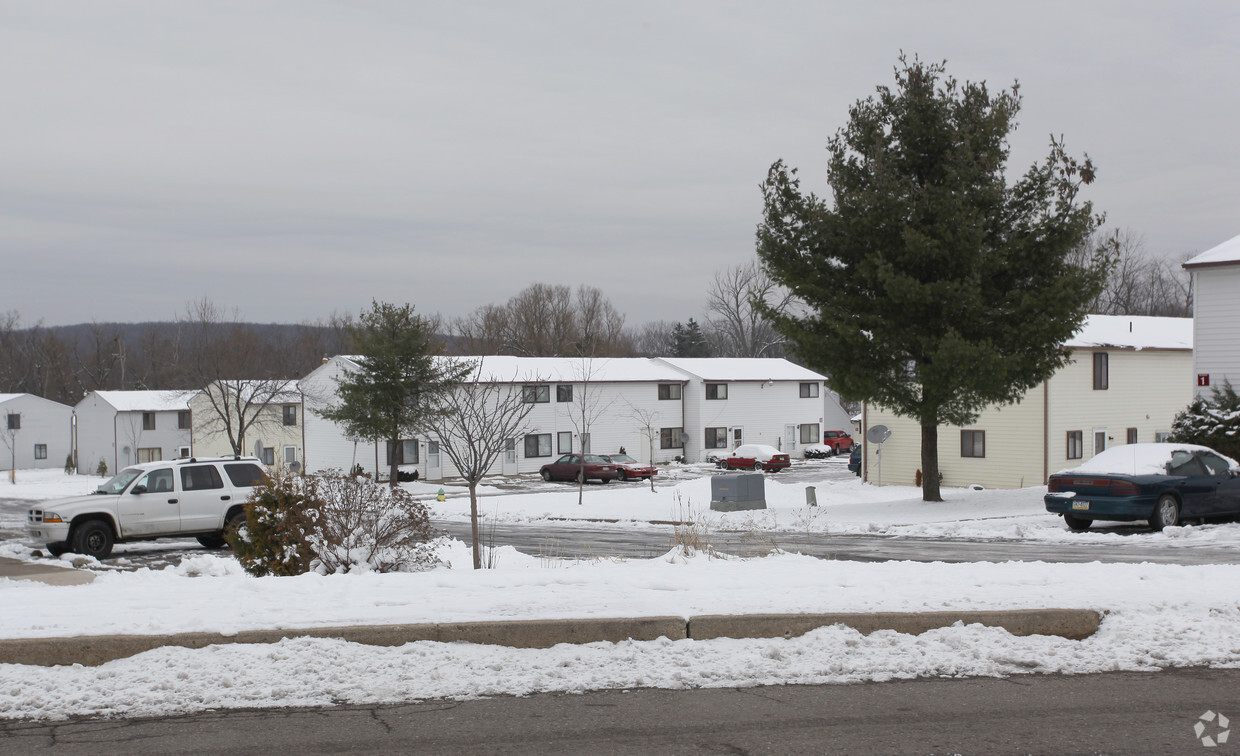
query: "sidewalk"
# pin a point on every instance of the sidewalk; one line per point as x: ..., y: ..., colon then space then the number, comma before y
x: 50, y: 573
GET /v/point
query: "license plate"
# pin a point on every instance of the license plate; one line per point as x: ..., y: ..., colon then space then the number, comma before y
x: 1077, y: 504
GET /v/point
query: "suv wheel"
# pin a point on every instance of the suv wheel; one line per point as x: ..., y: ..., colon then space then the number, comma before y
x: 93, y: 538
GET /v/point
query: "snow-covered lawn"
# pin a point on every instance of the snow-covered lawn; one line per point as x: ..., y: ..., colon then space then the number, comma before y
x: 1157, y: 615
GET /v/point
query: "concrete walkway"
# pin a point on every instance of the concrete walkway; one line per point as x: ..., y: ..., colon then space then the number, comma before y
x: 52, y: 573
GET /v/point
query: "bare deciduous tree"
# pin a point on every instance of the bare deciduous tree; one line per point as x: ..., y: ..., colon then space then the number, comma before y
x: 473, y: 424
x: 546, y: 321
x: 1138, y: 283
x: 654, y: 339
x: 737, y: 327
x: 583, y: 411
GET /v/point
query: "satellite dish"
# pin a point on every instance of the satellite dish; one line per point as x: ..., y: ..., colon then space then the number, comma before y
x: 878, y: 434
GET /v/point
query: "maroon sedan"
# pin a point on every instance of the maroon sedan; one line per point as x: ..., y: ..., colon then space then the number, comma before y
x: 628, y: 468
x: 570, y: 467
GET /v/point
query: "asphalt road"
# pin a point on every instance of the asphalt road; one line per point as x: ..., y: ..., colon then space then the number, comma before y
x: 1116, y: 713
x: 571, y: 542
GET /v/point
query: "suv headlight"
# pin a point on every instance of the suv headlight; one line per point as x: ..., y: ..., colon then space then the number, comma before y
x: 51, y: 517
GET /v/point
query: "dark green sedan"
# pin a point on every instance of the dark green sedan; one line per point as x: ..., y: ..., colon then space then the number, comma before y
x: 1165, y: 484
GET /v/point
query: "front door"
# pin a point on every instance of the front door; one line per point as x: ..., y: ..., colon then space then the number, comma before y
x: 790, y: 438
x: 434, y: 467
x: 510, y: 456
x: 738, y: 437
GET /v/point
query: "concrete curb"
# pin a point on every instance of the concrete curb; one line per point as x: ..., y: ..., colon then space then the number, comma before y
x: 1073, y: 624
x: 92, y: 650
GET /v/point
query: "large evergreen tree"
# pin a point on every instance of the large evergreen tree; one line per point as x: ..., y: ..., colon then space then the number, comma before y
x: 400, y: 380
x: 932, y: 287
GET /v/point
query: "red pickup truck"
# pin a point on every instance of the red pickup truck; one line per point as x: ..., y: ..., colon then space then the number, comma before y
x: 837, y: 441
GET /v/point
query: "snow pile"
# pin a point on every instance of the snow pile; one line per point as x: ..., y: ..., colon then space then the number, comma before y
x: 1158, y: 616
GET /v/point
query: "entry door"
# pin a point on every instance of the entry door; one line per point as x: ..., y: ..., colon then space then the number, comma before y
x: 434, y: 468
x: 738, y: 437
x: 510, y: 456
x: 790, y: 437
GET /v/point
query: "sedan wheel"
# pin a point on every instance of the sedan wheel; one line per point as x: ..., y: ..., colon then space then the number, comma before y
x: 1077, y: 524
x: 757, y: 467
x: 546, y: 475
x: 1166, y: 513
x: 621, y: 475
x: 581, y: 477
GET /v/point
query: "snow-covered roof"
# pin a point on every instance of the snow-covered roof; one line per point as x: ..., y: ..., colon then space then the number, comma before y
x: 1227, y: 252
x: 287, y: 393
x: 742, y: 369
x: 9, y: 397
x: 504, y: 368
x: 147, y: 401
x: 1133, y: 332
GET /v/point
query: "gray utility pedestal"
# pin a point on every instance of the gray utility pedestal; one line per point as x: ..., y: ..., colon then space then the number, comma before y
x: 730, y: 493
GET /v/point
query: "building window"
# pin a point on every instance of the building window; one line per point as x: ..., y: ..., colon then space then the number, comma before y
x: 406, y: 452
x: 538, y: 445
x: 1102, y: 379
x: 290, y: 414
x: 148, y: 421
x: 15, y: 421
x: 40, y: 451
x: 269, y: 455
x: 671, y: 438
x: 563, y: 393
x: 1132, y: 435
x: 1076, y: 444
x: 972, y: 443
x: 183, y: 420
x: 537, y: 394
x: 564, y: 442
x: 809, y: 390
x: 1162, y: 437
x: 716, y: 391
x: 716, y: 438
x: 150, y: 454
x: 669, y: 390
x: 809, y: 431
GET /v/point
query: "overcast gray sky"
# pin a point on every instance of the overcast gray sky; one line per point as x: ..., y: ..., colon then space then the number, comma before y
x: 294, y: 158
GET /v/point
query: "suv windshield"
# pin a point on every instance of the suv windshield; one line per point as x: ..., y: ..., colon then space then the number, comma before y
x: 119, y: 481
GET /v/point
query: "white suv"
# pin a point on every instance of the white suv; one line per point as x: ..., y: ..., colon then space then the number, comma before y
x: 184, y: 497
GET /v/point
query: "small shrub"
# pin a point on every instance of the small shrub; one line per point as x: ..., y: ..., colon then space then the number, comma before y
x: 69, y: 466
x: 102, y: 468
x: 331, y: 523
x: 365, y: 526
x: 280, y: 516
x: 1214, y: 423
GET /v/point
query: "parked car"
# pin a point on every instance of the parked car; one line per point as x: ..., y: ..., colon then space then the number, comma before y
x: 1165, y: 484
x: 569, y: 467
x: 202, y: 498
x: 837, y: 441
x: 628, y: 468
x: 755, y: 457
x: 854, y: 460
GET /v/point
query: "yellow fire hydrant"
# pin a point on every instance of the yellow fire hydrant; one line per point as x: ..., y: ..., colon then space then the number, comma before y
x: 441, y: 495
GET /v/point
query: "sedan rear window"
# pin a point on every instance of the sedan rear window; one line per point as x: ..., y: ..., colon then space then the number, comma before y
x: 244, y: 474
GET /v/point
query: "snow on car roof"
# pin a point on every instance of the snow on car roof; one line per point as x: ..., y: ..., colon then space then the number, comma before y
x: 1134, y: 332
x: 1138, y: 459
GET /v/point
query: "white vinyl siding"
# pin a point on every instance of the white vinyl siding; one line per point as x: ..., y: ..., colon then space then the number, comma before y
x: 1216, y: 342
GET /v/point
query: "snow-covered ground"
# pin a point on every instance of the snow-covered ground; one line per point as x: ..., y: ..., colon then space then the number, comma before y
x: 1157, y: 616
